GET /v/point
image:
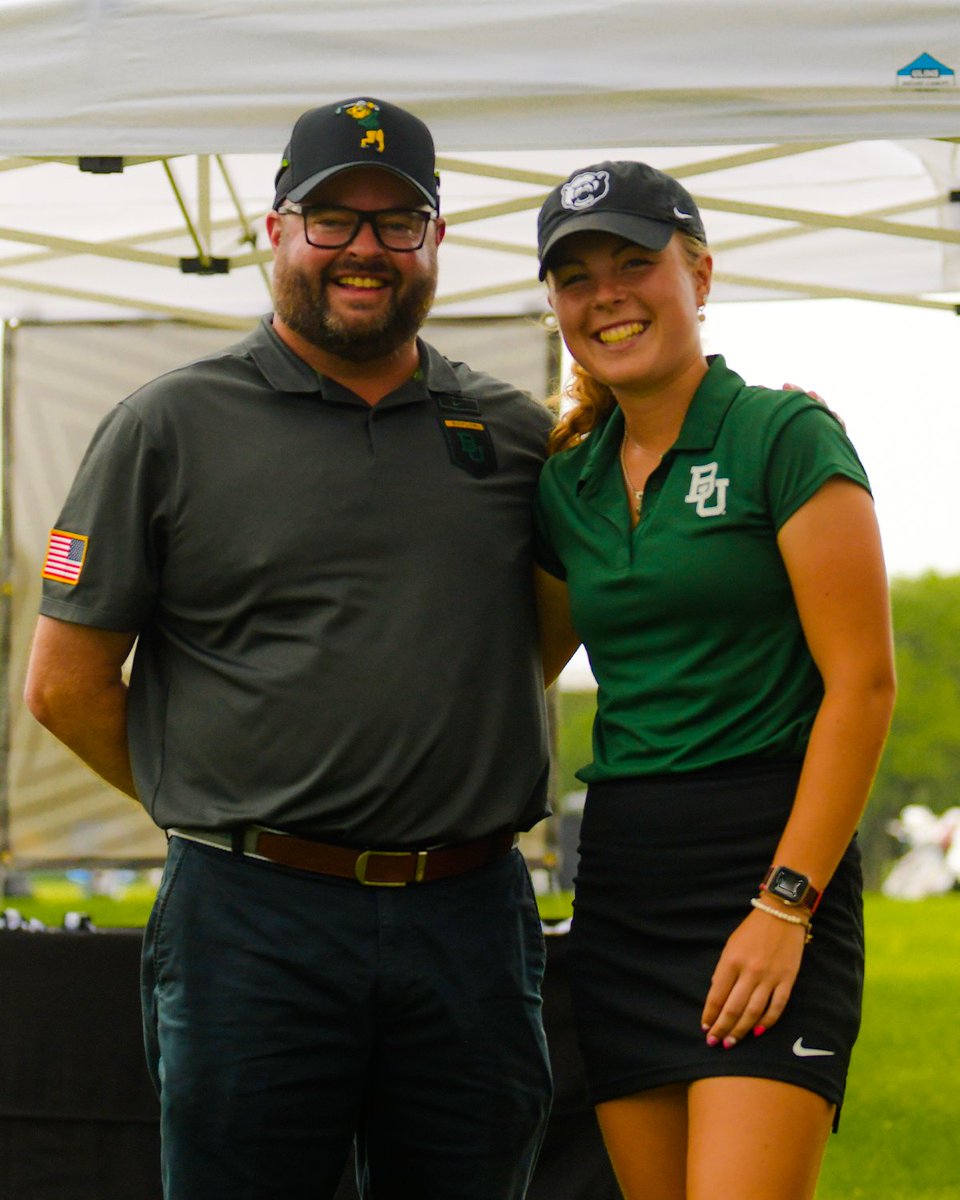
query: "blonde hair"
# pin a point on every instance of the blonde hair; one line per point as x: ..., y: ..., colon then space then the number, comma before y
x: 593, y: 401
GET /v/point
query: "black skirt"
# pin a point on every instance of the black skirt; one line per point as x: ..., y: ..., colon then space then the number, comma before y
x: 668, y: 866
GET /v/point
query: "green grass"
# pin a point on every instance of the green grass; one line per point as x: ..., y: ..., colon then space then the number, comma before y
x: 899, y: 1130
x: 898, y: 1135
x: 53, y: 896
x: 555, y: 906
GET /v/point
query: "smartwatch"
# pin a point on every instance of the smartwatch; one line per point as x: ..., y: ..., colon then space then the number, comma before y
x: 791, y: 887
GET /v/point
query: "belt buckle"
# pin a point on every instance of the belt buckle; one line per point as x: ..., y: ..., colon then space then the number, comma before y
x: 363, y: 859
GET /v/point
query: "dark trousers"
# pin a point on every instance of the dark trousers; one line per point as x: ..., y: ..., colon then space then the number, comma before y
x: 289, y: 1015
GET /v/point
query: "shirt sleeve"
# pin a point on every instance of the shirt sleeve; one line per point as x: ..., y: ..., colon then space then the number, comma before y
x: 113, y: 510
x: 809, y: 448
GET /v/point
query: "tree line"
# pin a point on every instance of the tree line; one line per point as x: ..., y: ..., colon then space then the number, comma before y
x: 921, y: 762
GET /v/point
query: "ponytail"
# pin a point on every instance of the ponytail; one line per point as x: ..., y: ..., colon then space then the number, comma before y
x: 592, y: 404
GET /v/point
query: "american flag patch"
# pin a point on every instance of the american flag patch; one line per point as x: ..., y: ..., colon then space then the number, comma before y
x: 65, y: 555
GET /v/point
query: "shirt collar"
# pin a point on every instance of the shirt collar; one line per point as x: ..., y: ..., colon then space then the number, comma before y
x: 713, y: 397
x: 717, y: 391
x: 282, y: 369
x: 436, y: 372
x: 286, y: 371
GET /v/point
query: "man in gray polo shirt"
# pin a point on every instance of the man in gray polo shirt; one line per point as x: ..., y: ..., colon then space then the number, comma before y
x: 319, y: 540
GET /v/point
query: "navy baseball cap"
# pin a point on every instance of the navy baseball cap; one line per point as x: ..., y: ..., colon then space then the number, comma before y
x: 630, y: 199
x: 362, y: 132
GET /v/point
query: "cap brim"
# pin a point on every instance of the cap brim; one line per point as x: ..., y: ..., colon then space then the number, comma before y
x: 304, y: 189
x: 643, y: 231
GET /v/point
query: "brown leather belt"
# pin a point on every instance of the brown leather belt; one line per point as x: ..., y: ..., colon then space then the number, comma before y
x: 376, y: 868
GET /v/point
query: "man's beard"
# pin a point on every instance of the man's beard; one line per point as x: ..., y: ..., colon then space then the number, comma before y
x: 300, y: 301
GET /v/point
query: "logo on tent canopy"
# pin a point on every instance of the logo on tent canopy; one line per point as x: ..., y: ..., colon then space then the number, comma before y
x: 926, y: 72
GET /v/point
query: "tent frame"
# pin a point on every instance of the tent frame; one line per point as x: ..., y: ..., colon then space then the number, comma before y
x: 198, y: 227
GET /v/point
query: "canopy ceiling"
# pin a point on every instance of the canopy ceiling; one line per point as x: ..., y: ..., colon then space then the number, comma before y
x: 821, y: 140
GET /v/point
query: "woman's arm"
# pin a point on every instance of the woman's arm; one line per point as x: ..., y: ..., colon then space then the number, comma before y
x: 558, y: 638
x: 831, y: 549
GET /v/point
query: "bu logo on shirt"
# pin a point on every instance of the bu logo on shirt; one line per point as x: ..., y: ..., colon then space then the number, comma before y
x: 470, y: 446
x: 706, y: 487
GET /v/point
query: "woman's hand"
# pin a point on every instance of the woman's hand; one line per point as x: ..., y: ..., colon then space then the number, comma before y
x: 753, y: 978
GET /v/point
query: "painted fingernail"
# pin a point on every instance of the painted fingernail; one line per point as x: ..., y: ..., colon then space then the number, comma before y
x: 704, y: 1027
x: 728, y: 1042
x: 712, y: 1041
x: 759, y: 1030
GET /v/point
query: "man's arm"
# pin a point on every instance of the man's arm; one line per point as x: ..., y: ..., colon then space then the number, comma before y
x: 75, y: 688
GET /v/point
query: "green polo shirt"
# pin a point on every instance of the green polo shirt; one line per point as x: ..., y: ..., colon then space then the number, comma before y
x: 334, y: 601
x: 689, y: 619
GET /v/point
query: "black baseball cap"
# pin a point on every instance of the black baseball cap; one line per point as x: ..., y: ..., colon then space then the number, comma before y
x: 362, y: 132
x: 630, y: 199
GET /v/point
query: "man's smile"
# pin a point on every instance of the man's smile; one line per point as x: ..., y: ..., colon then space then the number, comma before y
x: 360, y: 281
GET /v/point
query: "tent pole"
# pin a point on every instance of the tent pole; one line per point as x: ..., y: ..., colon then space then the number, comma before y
x: 202, y: 254
x: 249, y: 233
x: 203, y: 203
x: 6, y: 598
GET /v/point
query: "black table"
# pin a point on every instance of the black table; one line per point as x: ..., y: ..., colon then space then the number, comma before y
x: 78, y: 1116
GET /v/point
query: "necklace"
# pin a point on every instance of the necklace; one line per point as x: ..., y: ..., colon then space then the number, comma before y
x: 636, y: 493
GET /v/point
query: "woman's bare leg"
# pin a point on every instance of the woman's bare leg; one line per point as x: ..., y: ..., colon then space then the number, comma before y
x: 755, y: 1139
x: 646, y: 1139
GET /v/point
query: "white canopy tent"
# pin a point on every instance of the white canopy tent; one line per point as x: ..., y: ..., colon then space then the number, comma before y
x: 821, y: 140
x: 139, y: 140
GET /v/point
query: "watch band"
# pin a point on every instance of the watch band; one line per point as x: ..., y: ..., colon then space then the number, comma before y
x: 791, y: 887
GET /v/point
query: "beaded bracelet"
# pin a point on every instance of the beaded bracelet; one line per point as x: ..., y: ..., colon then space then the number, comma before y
x: 792, y: 919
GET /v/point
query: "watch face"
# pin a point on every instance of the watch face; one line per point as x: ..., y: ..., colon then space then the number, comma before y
x: 791, y: 885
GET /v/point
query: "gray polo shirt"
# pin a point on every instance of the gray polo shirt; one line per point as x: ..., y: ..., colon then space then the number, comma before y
x: 334, y: 602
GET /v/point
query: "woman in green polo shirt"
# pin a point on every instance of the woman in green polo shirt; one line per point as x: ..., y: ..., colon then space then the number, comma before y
x: 715, y: 547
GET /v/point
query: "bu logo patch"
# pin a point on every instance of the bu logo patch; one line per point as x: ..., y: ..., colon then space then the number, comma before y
x: 706, y: 487
x: 470, y: 446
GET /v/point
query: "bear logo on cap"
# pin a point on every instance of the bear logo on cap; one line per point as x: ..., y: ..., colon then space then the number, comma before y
x: 584, y: 190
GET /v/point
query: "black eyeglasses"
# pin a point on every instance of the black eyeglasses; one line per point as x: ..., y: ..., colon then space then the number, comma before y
x: 328, y: 227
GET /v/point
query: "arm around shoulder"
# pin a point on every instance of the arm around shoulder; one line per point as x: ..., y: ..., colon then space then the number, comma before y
x: 75, y: 688
x: 558, y: 638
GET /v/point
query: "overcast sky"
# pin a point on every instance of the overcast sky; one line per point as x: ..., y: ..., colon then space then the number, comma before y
x: 893, y: 375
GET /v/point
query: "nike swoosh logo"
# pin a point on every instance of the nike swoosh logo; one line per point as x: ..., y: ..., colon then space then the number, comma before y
x: 682, y: 216
x: 802, y: 1051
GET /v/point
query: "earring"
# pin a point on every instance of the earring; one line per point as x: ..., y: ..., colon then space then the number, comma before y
x: 701, y: 312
